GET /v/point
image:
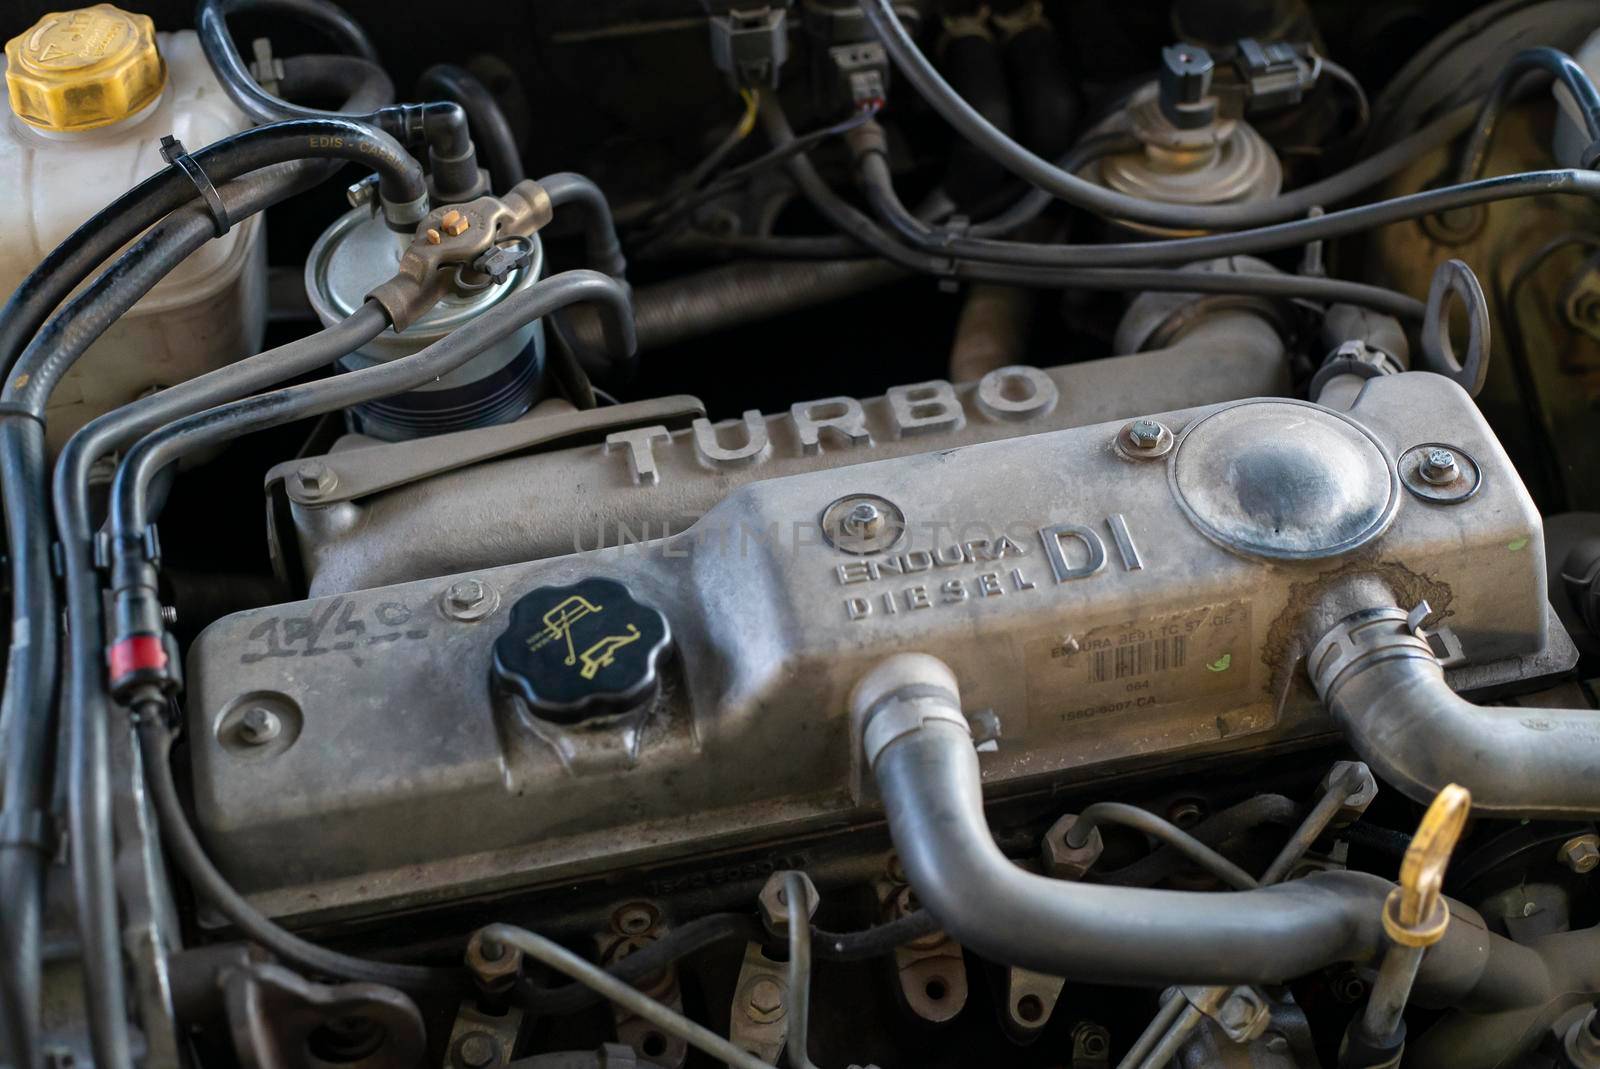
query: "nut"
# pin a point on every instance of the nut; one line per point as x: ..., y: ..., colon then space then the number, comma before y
x: 1069, y: 862
x: 764, y: 1000
x: 775, y: 902
x: 496, y: 965
x: 1581, y: 853
x: 1356, y: 801
x: 454, y: 223
x: 259, y: 726
x: 1243, y: 1015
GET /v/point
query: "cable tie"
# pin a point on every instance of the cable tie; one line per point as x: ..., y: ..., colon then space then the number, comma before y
x: 37, y: 831
x: 174, y: 153
x: 18, y: 410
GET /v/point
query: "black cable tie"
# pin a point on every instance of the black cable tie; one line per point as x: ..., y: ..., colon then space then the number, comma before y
x: 174, y: 153
x: 18, y: 410
x: 37, y: 832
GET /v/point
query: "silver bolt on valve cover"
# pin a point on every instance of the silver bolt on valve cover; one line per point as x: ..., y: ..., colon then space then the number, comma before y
x: 1284, y: 480
x: 1144, y: 439
x: 862, y: 523
x: 1439, y: 473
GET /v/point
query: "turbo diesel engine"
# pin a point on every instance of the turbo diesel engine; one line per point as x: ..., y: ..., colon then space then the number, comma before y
x: 929, y: 534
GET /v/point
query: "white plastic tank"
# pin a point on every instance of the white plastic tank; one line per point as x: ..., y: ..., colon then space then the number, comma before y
x: 91, y: 93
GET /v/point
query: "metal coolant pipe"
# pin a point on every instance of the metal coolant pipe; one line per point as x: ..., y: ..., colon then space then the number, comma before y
x: 1387, y: 692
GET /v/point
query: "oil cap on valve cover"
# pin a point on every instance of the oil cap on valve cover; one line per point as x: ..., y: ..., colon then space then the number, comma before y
x: 578, y: 652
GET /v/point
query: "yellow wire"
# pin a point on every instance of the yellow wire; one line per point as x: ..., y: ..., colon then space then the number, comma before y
x: 752, y: 101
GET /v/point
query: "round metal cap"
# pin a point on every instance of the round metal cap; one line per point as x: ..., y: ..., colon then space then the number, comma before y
x: 582, y: 651
x: 1284, y: 479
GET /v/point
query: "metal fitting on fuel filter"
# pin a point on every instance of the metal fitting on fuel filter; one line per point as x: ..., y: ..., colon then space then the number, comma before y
x: 463, y: 260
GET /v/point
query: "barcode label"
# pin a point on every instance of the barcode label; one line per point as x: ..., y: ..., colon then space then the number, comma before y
x: 1138, y: 659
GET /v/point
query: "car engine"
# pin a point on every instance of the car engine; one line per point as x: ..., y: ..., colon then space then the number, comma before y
x: 876, y: 533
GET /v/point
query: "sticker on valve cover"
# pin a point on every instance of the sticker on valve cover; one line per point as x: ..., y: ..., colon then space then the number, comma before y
x: 1141, y: 664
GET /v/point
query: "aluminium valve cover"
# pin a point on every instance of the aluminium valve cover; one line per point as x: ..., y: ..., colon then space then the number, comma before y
x: 1111, y: 611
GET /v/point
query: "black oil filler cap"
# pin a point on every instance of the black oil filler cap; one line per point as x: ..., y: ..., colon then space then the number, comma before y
x: 582, y: 651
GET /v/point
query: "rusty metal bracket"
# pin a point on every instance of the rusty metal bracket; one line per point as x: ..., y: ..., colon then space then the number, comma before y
x: 932, y: 971
x: 281, y: 1021
x: 359, y: 472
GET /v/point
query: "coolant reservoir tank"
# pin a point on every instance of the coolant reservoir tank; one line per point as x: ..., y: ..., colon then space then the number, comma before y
x: 89, y: 94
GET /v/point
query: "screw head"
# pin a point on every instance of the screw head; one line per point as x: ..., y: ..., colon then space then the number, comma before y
x: 1144, y: 439
x: 359, y: 193
x: 1581, y: 854
x: 315, y: 478
x: 864, y: 520
x: 259, y: 726
x: 466, y: 593
x: 477, y: 1049
x: 1236, y: 1012
x: 1439, y: 467
x: 454, y: 223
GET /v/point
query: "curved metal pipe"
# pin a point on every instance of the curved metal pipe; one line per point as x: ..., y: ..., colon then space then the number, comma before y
x: 1384, y: 687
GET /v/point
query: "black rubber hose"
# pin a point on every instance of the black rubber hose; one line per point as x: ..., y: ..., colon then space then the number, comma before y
x: 930, y: 786
x: 24, y: 841
x: 677, y: 944
x: 877, y: 181
x: 1550, y: 61
x: 1048, y: 103
x: 452, y: 160
x: 488, y: 123
x: 125, y: 218
x: 22, y: 478
x: 30, y: 671
x: 129, y: 502
x: 85, y: 704
x: 915, y: 68
x: 971, y: 60
x: 154, y: 744
x: 360, y: 83
x: 1213, y: 831
x: 602, y: 249
x: 859, y: 226
x: 875, y: 941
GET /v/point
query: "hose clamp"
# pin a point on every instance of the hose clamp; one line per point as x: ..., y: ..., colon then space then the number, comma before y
x: 176, y: 155
x: 1360, y: 641
x: 907, y: 710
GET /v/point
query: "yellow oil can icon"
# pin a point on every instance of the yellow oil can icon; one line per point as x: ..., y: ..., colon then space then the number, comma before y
x: 558, y: 624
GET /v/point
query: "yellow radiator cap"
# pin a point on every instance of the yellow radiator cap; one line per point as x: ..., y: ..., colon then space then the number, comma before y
x: 76, y: 70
